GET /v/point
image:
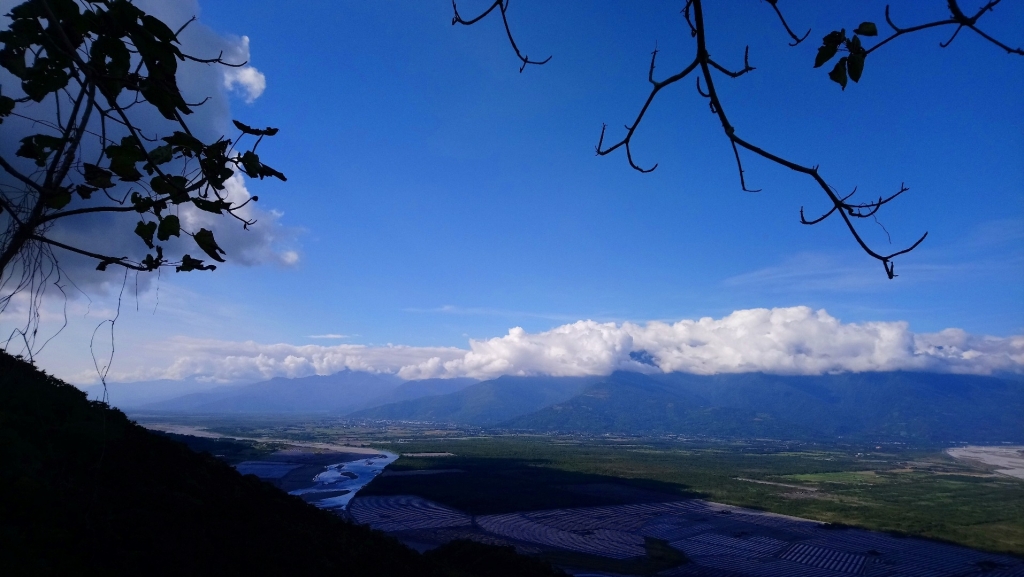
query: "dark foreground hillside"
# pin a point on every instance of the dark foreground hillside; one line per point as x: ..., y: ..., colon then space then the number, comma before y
x: 83, y: 490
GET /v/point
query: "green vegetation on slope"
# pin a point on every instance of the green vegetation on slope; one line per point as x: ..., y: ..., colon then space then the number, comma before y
x: 83, y: 490
x: 910, y: 407
x: 486, y: 403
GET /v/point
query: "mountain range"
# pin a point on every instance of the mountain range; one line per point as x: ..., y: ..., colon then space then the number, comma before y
x: 897, y: 406
x: 340, y: 393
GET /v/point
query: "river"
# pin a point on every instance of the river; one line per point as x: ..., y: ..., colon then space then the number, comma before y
x: 350, y: 476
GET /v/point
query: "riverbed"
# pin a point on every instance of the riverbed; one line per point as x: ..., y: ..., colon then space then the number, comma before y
x: 1009, y: 458
x: 349, y: 476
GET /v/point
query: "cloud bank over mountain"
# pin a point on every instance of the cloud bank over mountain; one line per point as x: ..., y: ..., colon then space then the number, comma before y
x: 791, y: 341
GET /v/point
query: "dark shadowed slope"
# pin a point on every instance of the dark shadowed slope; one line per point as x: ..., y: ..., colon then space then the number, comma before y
x: 84, y: 491
x: 338, y: 393
x: 922, y: 406
x: 918, y: 407
x: 485, y: 403
x: 635, y: 404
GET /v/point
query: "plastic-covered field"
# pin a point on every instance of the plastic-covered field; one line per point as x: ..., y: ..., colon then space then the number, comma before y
x: 719, y: 540
x: 405, y: 513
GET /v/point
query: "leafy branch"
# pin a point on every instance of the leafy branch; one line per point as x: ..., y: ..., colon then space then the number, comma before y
x: 104, y: 58
x: 849, y: 67
x: 97, y: 67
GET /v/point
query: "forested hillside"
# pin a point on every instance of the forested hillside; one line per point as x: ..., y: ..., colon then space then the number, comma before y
x: 872, y: 406
x: 86, y: 491
x: 900, y: 406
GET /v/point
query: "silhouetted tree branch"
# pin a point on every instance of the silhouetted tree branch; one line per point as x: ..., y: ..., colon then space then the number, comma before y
x: 96, y: 66
x: 849, y: 67
x: 502, y: 6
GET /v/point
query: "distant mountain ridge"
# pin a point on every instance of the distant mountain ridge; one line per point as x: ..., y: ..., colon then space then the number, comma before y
x: 921, y: 407
x: 340, y: 393
x: 899, y: 406
x: 486, y: 403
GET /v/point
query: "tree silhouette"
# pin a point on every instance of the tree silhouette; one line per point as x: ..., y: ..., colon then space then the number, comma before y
x: 849, y: 66
x: 90, y: 74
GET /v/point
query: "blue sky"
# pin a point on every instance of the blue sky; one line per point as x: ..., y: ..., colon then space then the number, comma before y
x: 437, y: 195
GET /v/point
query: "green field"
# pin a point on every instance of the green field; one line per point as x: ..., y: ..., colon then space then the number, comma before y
x: 891, y: 488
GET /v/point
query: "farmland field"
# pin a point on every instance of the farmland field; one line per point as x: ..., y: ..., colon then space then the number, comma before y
x: 915, y: 491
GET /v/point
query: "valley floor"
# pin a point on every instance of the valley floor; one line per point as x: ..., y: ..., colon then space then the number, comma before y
x: 708, y: 538
x: 921, y: 492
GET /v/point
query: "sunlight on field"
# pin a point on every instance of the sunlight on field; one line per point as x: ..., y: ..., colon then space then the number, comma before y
x: 840, y: 477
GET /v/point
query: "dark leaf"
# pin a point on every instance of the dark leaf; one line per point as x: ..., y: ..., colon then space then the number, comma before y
x: 867, y: 29
x: 12, y: 57
x: 838, y: 73
x: 57, y: 199
x: 204, y: 238
x: 175, y: 189
x: 45, y: 77
x: 215, y: 171
x: 6, y: 107
x: 141, y: 203
x: 854, y: 45
x: 825, y: 53
x: 161, y: 154
x: 111, y: 60
x: 123, y: 158
x: 169, y: 226
x: 214, y: 206
x: 157, y: 28
x: 182, y: 142
x: 98, y: 177
x: 834, y: 38
x: 146, y: 230
x: 151, y: 263
x: 189, y: 264
x: 267, y: 171
x: 855, y: 64
x: 251, y: 163
x: 254, y: 131
x: 38, y: 147
x: 85, y: 191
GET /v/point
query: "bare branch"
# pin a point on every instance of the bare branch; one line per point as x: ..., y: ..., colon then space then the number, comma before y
x: 746, y: 65
x: 730, y: 132
x: 796, y: 39
x: 502, y: 6
x: 93, y: 209
x: 14, y: 172
x: 120, y: 261
x: 958, y: 18
x: 739, y: 167
x: 693, y: 15
x: 630, y: 130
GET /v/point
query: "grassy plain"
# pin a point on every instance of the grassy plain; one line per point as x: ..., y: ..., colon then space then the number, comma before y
x: 890, y: 488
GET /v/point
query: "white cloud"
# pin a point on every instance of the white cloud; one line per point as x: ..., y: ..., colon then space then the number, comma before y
x: 260, y: 243
x: 248, y: 80
x: 795, y: 340
x: 245, y: 79
x: 227, y: 361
